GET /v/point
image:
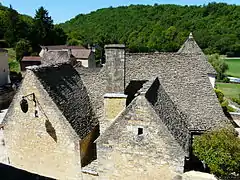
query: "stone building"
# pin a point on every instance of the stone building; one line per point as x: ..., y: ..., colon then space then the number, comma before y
x: 146, y: 108
x: 29, y: 61
x: 6, y: 90
x: 4, y: 69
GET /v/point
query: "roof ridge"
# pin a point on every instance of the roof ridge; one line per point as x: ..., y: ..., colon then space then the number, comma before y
x: 45, y: 66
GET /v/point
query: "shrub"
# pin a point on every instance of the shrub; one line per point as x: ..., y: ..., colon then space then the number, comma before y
x: 219, y: 65
x: 226, y: 80
x: 220, y: 149
x: 223, y: 102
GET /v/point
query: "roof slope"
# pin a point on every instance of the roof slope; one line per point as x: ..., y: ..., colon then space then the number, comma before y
x: 171, y: 116
x: 65, y: 86
x: 185, y: 81
x: 31, y: 58
x: 81, y: 53
x: 93, y: 79
x: 191, y: 47
x: 55, y: 57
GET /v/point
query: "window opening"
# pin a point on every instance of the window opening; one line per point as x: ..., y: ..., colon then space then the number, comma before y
x: 140, y: 131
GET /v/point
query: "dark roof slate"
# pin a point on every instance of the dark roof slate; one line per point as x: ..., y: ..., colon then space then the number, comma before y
x: 95, y: 83
x: 66, y: 88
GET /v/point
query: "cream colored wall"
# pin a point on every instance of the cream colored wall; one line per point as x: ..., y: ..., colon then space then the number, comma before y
x: 30, y: 147
x: 114, y: 104
x: 4, y: 69
x: 212, y: 79
x: 84, y: 62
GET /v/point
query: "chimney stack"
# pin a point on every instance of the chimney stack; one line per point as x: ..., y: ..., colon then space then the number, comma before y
x: 114, y: 99
x: 115, y: 68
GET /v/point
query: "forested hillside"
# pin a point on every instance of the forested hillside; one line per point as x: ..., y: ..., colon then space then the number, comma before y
x: 216, y: 27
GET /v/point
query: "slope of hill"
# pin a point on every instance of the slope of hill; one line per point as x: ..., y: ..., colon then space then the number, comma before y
x: 216, y: 27
x: 4, y: 23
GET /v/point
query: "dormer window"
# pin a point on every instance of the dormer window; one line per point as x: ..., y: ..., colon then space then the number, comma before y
x: 140, y: 131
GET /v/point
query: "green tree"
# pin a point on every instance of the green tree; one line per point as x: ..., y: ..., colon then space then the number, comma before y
x: 219, y: 65
x: 74, y: 42
x: 58, y: 36
x: 23, y: 48
x: 220, y: 149
x: 11, y: 34
x: 42, y: 28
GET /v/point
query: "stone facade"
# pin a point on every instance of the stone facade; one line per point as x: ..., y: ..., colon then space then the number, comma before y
x: 45, y: 145
x: 138, y: 145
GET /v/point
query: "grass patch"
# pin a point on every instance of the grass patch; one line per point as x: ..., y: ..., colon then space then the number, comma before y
x: 13, y: 63
x: 234, y: 67
x: 230, y: 90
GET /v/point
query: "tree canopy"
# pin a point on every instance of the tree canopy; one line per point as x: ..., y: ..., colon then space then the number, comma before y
x: 220, y: 149
x: 215, y: 26
x: 36, y: 31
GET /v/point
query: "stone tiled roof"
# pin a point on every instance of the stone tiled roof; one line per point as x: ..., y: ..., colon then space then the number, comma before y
x: 81, y: 53
x: 191, y: 47
x: 55, y: 57
x: 94, y: 81
x: 67, y: 90
x: 185, y: 81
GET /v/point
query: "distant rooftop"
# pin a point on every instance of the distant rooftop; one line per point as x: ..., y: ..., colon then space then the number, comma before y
x: 31, y: 58
x: 60, y: 47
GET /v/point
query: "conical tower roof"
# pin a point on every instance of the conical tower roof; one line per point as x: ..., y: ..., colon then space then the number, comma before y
x: 190, y: 46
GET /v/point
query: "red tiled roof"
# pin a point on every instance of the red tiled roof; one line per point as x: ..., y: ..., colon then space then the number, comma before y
x: 31, y: 58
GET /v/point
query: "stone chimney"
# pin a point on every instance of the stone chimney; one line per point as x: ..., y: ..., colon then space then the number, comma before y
x: 115, y: 68
x: 114, y: 99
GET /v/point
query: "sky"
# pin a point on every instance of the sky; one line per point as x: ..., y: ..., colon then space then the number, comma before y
x: 63, y: 10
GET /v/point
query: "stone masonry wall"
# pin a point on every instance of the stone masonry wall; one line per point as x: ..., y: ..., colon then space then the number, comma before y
x: 45, y: 145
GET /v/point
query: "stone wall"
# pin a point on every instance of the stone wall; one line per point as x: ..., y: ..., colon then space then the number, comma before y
x: 45, y: 145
